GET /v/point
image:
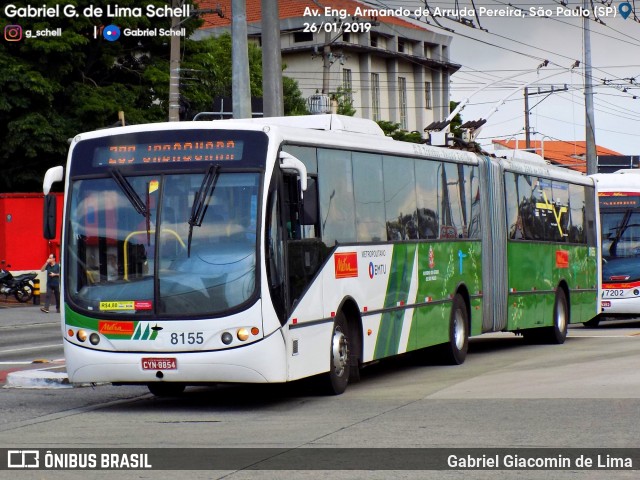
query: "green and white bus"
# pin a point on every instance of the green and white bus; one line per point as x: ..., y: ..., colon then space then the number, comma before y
x: 270, y: 250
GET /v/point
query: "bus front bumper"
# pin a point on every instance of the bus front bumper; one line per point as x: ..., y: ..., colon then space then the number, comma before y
x: 259, y: 362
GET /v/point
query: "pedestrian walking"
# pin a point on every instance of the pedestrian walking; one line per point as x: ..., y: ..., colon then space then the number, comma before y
x: 53, y: 283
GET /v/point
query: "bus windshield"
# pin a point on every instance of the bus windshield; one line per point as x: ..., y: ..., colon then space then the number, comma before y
x: 621, y: 245
x: 134, y: 247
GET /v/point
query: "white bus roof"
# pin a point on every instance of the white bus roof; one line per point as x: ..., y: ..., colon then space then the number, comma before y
x: 627, y: 180
x: 330, y: 122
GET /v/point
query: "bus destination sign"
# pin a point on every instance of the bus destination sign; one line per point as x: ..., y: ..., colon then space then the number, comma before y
x: 619, y: 199
x: 219, y: 150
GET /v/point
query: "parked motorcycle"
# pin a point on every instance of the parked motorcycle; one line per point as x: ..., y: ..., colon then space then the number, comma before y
x: 20, y: 286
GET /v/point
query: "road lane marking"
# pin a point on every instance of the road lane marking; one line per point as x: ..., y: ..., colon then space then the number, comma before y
x: 30, y: 348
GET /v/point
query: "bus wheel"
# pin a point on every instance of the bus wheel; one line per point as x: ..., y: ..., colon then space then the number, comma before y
x: 337, y: 378
x: 558, y: 333
x: 166, y: 389
x: 455, y: 351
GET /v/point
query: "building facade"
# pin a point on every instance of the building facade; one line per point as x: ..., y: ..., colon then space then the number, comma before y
x: 390, y: 67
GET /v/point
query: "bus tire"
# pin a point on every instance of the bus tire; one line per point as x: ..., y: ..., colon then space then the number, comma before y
x: 557, y: 334
x: 336, y: 380
x: 455, y: 350
x: 166, y: 389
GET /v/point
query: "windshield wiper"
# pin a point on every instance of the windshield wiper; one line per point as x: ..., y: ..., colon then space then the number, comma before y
x: 620, y: 229
x: 129, y: 192
x: 201, y: 201
x: 134, y: 198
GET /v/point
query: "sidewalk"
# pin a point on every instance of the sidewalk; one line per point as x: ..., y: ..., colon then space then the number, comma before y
x: 14, y: 314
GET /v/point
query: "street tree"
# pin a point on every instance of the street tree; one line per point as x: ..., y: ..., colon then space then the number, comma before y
x: 52, y: 88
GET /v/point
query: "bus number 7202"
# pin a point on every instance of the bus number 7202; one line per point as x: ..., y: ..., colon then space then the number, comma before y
x: 612, y: 293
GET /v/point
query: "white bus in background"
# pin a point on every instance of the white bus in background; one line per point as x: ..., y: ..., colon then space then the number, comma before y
x: 619, y: 199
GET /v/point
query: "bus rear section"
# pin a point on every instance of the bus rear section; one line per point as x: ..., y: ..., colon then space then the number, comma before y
x: 552, y: 256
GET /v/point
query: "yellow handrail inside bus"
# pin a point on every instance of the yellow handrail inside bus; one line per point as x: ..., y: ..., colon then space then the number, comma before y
x: 139, y: 232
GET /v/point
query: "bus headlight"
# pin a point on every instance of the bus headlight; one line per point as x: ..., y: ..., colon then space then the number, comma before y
x: 82, y: 336
x: 94, y: 338
x: 227, y: 338
x: 242, y: 334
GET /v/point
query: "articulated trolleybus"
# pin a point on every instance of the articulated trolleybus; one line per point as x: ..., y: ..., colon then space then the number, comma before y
x: 619, y: 195
x: 274, y: 249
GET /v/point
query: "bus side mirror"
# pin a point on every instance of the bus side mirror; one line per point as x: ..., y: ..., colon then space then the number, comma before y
x: 289, y: 162
x: 54, y: 174
x: 310, y: 204
x: 49, y: 217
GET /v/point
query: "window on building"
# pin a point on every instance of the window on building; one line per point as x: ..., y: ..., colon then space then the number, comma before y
x: 374, y: 41
x: 299, y: 37
x: 402, y: 97
x: 347, y: 84
x: 375, y: 96
x: 427, y: 95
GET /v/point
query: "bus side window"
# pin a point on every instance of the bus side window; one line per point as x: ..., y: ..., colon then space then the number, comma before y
x: 310, y: 215
x: 301, y: 216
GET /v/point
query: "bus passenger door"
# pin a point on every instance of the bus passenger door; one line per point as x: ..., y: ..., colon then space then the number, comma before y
x: 305, y: 250
x: 294, y: 250
x: 274, y: 252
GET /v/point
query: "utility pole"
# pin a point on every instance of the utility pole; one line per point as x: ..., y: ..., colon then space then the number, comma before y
x: 174, y: 68
x: 527, y: 134
x: 174, y: 59
x: 326, y: 62
x: 241, y: 91
x: 590, y: 134
x: 272, y: 95
x: 527, y: 109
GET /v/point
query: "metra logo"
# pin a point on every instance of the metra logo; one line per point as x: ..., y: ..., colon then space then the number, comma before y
x: 346, y: 264
x: 115, y: 328
x: 375, y: 270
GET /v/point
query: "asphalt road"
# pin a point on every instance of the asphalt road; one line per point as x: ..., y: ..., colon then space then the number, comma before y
x: 583, y: 395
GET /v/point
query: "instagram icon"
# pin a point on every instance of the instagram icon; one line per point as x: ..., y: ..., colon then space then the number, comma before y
x: 13, y: 33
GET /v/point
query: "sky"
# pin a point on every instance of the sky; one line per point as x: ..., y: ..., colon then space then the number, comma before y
x: 509, y: 54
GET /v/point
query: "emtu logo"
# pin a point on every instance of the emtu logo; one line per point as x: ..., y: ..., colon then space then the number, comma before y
x: 111, y: 33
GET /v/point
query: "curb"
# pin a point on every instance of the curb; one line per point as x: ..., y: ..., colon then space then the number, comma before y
x: 43, y: 378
